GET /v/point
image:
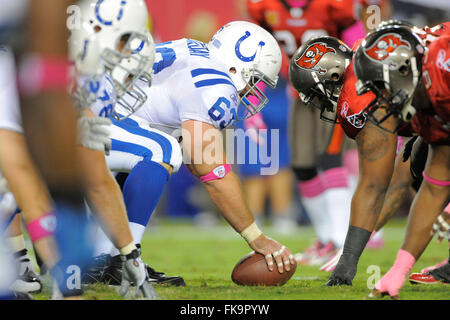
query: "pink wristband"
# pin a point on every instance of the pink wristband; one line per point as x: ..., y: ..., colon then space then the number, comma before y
x: 218, y: 173
x: 42, y: 227
x: 38, y: 74
x: 436, y: 182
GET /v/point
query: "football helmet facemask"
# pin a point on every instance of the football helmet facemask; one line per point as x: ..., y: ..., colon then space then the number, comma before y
x: 389, y: 63
x: 113, y: 38
x: 316, y: 71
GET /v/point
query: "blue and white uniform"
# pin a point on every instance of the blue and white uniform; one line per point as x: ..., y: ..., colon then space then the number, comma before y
x: 132, y: 139
x: 188, y: 84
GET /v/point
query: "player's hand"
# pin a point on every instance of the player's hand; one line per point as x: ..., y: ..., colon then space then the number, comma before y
x: 442, y: 227
x: 345, y: 271
x: 134, y: 273
x: 252, y: 125
x: 93, y: 133
x: 273, y: 251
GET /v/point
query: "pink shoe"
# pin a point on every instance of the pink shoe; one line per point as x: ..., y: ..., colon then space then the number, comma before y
x: 330, y: 265
x: 376, y: 241
x: 306, y: 257
x: 324, y: 254
x: 425, y: 270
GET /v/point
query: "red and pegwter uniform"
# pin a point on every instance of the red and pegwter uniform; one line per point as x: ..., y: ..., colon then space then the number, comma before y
x: 433, y: 124
x: 292, y: 26
x: 350, y: 106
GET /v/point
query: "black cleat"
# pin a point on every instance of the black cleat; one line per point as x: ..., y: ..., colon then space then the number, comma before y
x: 442, y: 273
x: 113, y: 272
x: 155, y: 277
x: 95, y: 271
x: 113, y: 275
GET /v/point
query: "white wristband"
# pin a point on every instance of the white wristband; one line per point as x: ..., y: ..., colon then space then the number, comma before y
x: 251, y: 232
x: 127, y: 249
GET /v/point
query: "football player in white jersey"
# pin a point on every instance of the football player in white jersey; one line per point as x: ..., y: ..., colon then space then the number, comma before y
x: 102, y: 191
x: 112, y: 49
x: 197, y: 89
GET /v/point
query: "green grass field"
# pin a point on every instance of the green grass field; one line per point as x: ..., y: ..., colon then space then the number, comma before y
x: 206, y: 257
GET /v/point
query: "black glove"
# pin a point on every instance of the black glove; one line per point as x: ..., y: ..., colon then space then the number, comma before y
x: 345, y: 271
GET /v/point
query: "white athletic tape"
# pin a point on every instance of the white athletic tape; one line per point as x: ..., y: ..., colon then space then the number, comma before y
x: 282, y: 249
x: 251, y: 232
x: 443, y: 222
x: 279, y: 264
x: 276, y: 253
x: 127, y: 249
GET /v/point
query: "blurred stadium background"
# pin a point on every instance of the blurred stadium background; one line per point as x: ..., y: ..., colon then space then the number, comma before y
x: 184, y: 197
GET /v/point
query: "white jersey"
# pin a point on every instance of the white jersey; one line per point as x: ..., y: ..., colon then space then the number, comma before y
x: 188, y: 85
x: 103, y: 89
x: 10, y: 117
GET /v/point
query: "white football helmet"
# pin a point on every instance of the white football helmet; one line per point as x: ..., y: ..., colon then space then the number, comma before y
x: 112, y: 37
x: 252, y: 55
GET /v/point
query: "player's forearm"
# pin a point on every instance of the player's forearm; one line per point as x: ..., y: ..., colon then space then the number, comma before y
x: 398, y: 188
x: 366, y: 205
x: 108, y: 201
x: 429, y: 202
x: 228, y: 196
x: 105, y: 196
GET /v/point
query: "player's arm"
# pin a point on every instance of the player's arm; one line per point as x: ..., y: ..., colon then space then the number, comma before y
x: 48, y: 115
x: 104, y: 194
x: 429, y: 202
x: 226, y: 192
x: 376, y: 152
x: 397, y: 191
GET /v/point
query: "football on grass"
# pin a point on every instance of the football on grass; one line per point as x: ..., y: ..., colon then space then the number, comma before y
x: 252, y: 270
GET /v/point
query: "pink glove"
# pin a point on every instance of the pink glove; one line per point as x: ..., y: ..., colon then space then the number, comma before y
x: 256, y: 123
x: 393, y: 281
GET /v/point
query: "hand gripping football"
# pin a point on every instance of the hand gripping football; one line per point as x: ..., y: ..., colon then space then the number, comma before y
x: 252, y: 270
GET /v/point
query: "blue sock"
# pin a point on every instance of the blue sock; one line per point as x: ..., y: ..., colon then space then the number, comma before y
x: 141, y: 193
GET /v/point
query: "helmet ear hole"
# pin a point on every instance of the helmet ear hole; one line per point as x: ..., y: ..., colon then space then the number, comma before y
x: 233, y: 70
x: 97, y: 28
x: 335, y: 77
x: 404, y: 70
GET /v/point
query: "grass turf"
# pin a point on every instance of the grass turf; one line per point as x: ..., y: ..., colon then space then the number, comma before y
x: 206, y: 257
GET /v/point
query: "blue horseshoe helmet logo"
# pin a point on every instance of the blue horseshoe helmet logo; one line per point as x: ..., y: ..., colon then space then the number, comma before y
x: 106, y: 22
x: 238, y: 45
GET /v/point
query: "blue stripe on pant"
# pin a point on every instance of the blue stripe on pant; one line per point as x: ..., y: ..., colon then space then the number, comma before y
x: 142, y: 150
x: 132, y: 148
x: 132, y: 127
